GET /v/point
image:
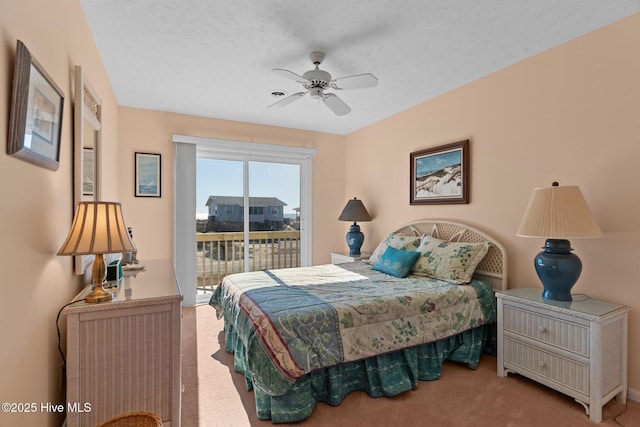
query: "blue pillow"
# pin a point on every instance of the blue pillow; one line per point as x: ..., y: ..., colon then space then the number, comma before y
x: 396, y: 262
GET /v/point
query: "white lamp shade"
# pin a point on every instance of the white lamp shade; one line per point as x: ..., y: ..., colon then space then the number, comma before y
x: 558, y: 213
x: 98, y: 228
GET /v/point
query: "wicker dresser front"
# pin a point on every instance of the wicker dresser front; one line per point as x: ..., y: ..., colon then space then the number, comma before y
x: 124, y: 355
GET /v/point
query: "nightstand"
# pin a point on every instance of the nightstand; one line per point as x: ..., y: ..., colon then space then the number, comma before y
x: 342, y: 257
x: 577, y: 347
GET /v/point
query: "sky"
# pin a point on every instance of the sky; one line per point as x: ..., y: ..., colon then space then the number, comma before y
x: 432, y: 163
x: 224, y: 178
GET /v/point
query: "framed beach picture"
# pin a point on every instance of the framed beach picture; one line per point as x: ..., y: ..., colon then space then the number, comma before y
x: 440, y: 175
x: 147, y: 172
x: 36, y: 113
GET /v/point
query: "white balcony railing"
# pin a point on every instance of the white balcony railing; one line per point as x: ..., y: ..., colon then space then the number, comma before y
x: 220, y: 254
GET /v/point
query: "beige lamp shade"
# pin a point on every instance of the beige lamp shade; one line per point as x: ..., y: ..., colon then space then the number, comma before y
x: 98, y: 228
x: 354, y: 211
x: 558, y: 212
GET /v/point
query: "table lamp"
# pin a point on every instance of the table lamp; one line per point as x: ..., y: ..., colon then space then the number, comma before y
x: 558, y: 214
x: 354, y: 211
x: 98, y: 228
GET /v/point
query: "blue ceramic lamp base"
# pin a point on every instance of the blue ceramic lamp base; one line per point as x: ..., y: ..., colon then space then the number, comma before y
x: 558, y: 269
x: 355, y: 239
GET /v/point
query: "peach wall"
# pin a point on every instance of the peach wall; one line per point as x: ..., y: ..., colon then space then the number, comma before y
x: 36, y: 208
x: 577, y: 102
x: 152, y: 218
x: 571, y: 115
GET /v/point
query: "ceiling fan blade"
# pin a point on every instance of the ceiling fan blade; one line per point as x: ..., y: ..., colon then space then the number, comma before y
x: 336, y: 104
x: 359, y: 81
x: 288, y: 100
x: 290, y: 75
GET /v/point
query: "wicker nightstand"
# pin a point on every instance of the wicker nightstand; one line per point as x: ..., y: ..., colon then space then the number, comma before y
x: 342, y: 257
x: 577, y: 347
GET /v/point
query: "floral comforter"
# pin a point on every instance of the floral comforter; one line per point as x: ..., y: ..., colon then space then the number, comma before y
x: 309, y: 318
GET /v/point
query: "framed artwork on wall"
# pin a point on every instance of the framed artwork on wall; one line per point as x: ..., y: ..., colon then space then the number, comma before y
x: 440, y: 175
x: 36, y: 113
x: 147, y: 173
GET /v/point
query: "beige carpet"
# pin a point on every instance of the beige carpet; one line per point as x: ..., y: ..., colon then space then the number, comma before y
x: 214, y: 395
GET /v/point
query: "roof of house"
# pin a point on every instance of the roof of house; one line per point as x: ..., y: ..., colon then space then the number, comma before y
x: 239, y: 201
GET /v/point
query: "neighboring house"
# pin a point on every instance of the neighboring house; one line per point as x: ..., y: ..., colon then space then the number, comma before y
x: 265, y: 213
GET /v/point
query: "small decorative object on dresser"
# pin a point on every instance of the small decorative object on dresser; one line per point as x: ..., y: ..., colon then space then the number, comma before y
x: 354, y: 211
x: 577, y: 347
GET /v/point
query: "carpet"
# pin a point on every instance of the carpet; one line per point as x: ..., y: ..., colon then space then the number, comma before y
x: 214, y: 395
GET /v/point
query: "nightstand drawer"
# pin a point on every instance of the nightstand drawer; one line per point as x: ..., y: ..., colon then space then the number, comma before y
x: 565, y: 372
x: 553, y: 331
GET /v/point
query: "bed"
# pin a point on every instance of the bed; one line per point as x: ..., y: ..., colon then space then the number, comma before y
x: 314, y: 334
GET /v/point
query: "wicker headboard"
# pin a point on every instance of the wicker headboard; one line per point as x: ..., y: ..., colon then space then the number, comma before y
x: 493, y: 268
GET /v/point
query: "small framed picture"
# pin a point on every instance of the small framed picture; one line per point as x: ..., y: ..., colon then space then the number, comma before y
x: 148, y: 168
x: 440, y: 175
x: 36, y: 113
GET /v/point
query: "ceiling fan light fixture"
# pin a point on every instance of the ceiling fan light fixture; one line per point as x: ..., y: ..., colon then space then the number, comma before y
x: 316, y: 93
x: 316, y: 81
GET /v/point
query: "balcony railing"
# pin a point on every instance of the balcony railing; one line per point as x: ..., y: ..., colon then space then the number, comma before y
x: 220, y: 254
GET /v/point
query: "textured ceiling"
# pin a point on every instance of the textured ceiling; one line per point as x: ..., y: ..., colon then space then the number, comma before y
x: 213, y: 58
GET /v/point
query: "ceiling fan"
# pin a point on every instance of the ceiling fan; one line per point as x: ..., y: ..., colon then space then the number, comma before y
x: 316, y: 81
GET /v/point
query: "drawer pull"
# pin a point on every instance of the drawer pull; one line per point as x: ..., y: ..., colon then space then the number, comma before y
x: 542, y: 329
x: 541, y: 363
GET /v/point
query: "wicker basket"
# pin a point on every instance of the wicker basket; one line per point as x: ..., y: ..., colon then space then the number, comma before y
x: 133, y: 419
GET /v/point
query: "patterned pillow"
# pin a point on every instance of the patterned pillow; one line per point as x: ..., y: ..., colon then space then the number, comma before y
x: 396, y: 262
x: 454, y: 262
x: 395, y: 240
x: 429, y: 242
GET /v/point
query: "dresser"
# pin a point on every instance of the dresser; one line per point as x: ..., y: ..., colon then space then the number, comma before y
x: 124, y: 355
x: 577, y: 347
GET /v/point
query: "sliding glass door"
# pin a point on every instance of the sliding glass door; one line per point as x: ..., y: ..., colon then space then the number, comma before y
x: 252, y: 208
x: 248, y: 218
x: 273, y: 216
x: 220, y: 221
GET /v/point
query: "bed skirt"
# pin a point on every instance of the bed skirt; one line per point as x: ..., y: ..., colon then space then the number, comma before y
x: 385, y: 375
